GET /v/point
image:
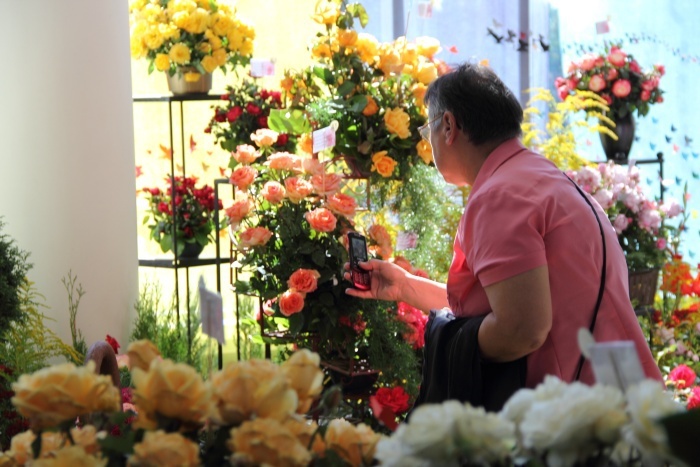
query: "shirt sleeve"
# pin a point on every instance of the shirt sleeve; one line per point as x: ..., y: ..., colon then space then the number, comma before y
x: 506, y: 232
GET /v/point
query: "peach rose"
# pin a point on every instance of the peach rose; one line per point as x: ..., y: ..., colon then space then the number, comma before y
x: 617, y: 57
x: 86, y: 437
x: 161, y: 448
x: 297, y: 188
x: 326, y: 183
x: 291, y: 302
x: 321, y: 220
x: 141, y: 353
x: 243, y: 176
x: 371, y: 108
x: 342, y: 204
x: 264, y: 137
x: 597, y: 83
x: 354, y: 444
x: 255, y: 236
x: 239, y: 209
x: 282, y: 161
x: 245, y: 154
x: 273, y: 192
x: 621, y: 88
x: 21, y: 446
x: 397, y: 122
x: 379, y: 234
x: 425, y: 151
x: 383, y: 164
x: 310, y: 165
x: 587, y: 62
x: 267, y: 442
x: 304, y: 430
x: 304, y: 280
x: 305, y: 376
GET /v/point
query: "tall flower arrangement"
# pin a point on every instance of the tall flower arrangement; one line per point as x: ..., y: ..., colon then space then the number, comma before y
x: 202, y: 35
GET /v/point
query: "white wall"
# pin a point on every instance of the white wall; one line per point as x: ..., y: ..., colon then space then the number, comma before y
x: 66, y: 155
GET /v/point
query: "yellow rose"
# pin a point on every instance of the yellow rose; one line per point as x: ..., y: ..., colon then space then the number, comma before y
x: 304, y: 430
x: 321, y: 50
x: 305, y: 376
x: 21, y: 445
x: 367, y: 47
x: 425, y: 72
x: 204, y: 47
x: 197, y: 22
x: 389, y: 61
x: 162, y: 62
x: 141, y: 353
x: 187, y: 6
x: 418, y: 90
x: 63, y: 392
x: 161, y: 448
x: 138, y: 50
x: 221, y: 25
x: 265, y: 441
x: 172, y: 390
x: 70, y: 457
x: 247, y: 48
x: 355, y: 444
x: 180, y: 53
x: 209, y: 64
x: 371, y: 108
x: 427, y: 46
x: 409, y: 53
x: 397, y: 122
x: 254, y: 388
x: 326, y: 12
x: 153, y: 39
x: 213, y: 39
x: 347, y: 37
x: 383, y: 164
x: 220, y: 56
x: 235, y: 40
x: 425, y: 151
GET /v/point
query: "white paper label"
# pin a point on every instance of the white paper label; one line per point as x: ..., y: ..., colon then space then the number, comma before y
x: 260, y: 67
x: 211, y: 312
x: 323, y: 139
x: 425, y: 9
x: 616, y: 364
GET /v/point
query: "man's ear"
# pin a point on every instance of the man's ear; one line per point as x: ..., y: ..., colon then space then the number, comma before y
x: 451, y: 128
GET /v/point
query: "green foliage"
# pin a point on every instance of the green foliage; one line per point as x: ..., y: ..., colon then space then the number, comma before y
x: 167, y: 330
x: 13, y: 269
x: 74, y: 296
x: 251, y: 345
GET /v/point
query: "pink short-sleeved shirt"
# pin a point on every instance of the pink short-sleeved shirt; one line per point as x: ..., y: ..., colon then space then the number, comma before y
x: 524, y: 213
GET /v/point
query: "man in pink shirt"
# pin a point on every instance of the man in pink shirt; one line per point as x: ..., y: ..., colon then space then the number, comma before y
x: 528, y: 250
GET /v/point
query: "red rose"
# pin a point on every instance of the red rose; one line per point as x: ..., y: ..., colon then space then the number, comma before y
x: 563, y: 92
x: 621, y: 88
x: 617, y: 57
x: 207, y: 129
x: 597, y: 83
x: 607, y: 98
x: 113, y: 342
x: 282, y: 139
x: 683, y: 376
x: 634, y: 66
x: 645, y: 95
x: 220, y: 117
x: 612, y: 74
x: 164, y: 208
x: 661, y: 69
x: 394, y: 399
x: 154, y: 191
x: 694, y: 399
x: 277, y: 96
x: 234, y: 113
x: 225, y: 97
x: 252, y: 109
x: 262, y: 121
x: 660, y: 99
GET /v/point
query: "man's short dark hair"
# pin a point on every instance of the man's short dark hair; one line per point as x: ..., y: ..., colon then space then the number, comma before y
x: 484, y: 108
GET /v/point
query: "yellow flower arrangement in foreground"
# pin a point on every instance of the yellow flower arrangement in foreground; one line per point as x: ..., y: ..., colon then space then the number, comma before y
x: 202, y: 35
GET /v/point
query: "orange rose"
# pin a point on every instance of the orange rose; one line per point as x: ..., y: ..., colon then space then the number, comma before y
x: 264, y: 137
x: 255, y: 236
x: 321, y: 220
x: 273, y: 192
x: 239, y: 209
x: 245, y: 154
x: 291, y: 302
x: 427, y: 46
x: 342, y: 204
x: 297, y: 189
x: 371, y: 108
x: 326, y: 184
x: 304, y: 280
x: 425, y: 151
x: 347, y: 37
x: 379, y: 234
x: 305, y: 143
x: 282, y: 161
x: 397, y: 122
x: 418, y: 90
x: 367, y: 47
x: 383, y: 164
x: 426, y: 72
x: 243, y: 176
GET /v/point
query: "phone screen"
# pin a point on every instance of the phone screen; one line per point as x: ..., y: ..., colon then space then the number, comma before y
x: 359, y: 249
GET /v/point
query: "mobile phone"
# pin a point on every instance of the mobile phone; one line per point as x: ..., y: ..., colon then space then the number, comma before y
x: 358, y: 253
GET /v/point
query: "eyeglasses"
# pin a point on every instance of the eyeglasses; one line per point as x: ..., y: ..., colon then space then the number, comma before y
x: 424, y: 130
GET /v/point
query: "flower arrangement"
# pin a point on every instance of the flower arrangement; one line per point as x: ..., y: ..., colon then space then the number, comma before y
x: 638, y: 220
x: 181, y: 214
x: 244, y: 109
x: 374, y: 91
x: 194, y: 36
x: 288, y: 223
x: 617, y: 77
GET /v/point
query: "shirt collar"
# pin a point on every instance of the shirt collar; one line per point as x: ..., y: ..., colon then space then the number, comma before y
x: 498, y: 156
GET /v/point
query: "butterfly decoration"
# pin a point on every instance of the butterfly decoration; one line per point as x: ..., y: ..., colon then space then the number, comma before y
x: 139, y: 171
x: 688, y: 140
x: 695, y: 155
x: 678, y: 180
x: 511, y: 36
x: 522, y: 42
x: 496, y: 24
x: 193, y: 144
x: 695, y: 175
x: 676, y: 148
x: 668, y: 139
x: 178, y: 167
x: 654, y: 120
x: 210, y: 153
x: 636, y: 138
x: 167, y: 153
x: 544, y: 45
x: 684, y: 155
x: 205, y: 166
x: 673, y: 128
x: 453, y: 49
x: 652, y: 146
x: 691, y: 254
x: 222, y: 171
x: 493, y: 34
x: 589, y: 142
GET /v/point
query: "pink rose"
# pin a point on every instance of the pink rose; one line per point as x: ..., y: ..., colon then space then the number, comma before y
x: 309, y: 165
x: 683, y: 376
x: 612, y: 74
x: 597, y: 83
x: 239, y: 209
x: 606, y: 97
x: 255, y: 236
x: 572, y: 83
x: 621, y: 88
x: 321, y: 220
x: 694, y: 398
x: 326, y: 184
x: 297, y: 188
x: 304, y: 280
x: 649, y: 85
x: 617, y: 57
x: 620, y: 223
x: 245, y: 154
x: 563, y: 92
x: 660, y: 69
x: 291, y: 302
x: 661, y: 243
x: 671, y: 208
x: 243, y: 176
x: 342, y: 204
x: 634, y: 66
x: 560, y: 81
x: 273, y: 192
x: 587, y: 62
x: 645, y: 95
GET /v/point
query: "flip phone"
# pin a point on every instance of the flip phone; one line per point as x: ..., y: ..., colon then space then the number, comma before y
x: 358, y: 253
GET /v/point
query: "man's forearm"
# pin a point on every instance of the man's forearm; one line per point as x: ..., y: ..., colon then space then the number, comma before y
x: 424, y: 294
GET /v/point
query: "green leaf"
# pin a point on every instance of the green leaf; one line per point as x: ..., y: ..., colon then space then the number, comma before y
x: 319, y: 257
x: 296, y: 323
x: 289, y: 121
x: 166, y: 243
x: 357, y: 103
x: 346, y: 88
x: 123, y: 444
x: 359, y: 12
x: 324, y: 73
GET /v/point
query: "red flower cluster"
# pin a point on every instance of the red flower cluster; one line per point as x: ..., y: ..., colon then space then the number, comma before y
x: 356, y: 323
x: 694, y: 398
x: 416, y: 321
x: 113, y: 342
x: 11, y: 422
x: 683, y: 376
x: 678, y: 279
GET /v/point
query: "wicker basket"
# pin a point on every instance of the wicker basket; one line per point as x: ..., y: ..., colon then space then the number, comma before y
x: 643, y: 285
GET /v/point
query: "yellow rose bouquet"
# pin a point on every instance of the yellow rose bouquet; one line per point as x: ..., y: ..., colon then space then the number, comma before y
x: 192, y: 37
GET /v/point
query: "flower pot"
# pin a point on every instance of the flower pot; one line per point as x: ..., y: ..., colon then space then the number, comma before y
x: 179, y: 84
x: 618, y: 151
x: 643, y: 285
x: 191, y: 251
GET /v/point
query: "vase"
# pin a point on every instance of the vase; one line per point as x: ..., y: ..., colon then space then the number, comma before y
x: 179, y: 85
x: 643, y: 284
x: 618, y: 151
x: 191, y: 250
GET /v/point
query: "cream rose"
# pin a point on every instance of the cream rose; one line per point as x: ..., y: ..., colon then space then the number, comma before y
x: 264, y: 137
x: 305, y: 376
x: 354, y: 444
x: 267, y: 442
x: 273, y: 192
x: 161, y: 448
x: 21, y: 446
x: 141, y: 353
x: 245, y: 154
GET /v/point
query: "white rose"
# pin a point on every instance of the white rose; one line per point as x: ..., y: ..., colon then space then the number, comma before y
x: 488, y: 437
x: 520, y: 402
x: 430, y: 433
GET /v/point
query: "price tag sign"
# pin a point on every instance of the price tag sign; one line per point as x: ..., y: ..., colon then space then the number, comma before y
x: 260, y: 67
x: 406, y: 240
x: 425, y: 9
x: 212, y: 312
x: 616, y: 364
x: 602, y: 27
x: 324, y: 138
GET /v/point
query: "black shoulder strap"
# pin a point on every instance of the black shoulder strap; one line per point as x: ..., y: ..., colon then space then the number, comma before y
x: 602, y: 274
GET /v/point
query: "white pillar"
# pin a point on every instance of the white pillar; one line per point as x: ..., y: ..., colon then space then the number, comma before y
x: 67, y: 190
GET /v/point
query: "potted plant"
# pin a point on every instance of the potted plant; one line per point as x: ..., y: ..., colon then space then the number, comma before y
x: 189, y: 39
x: 181, y: 216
